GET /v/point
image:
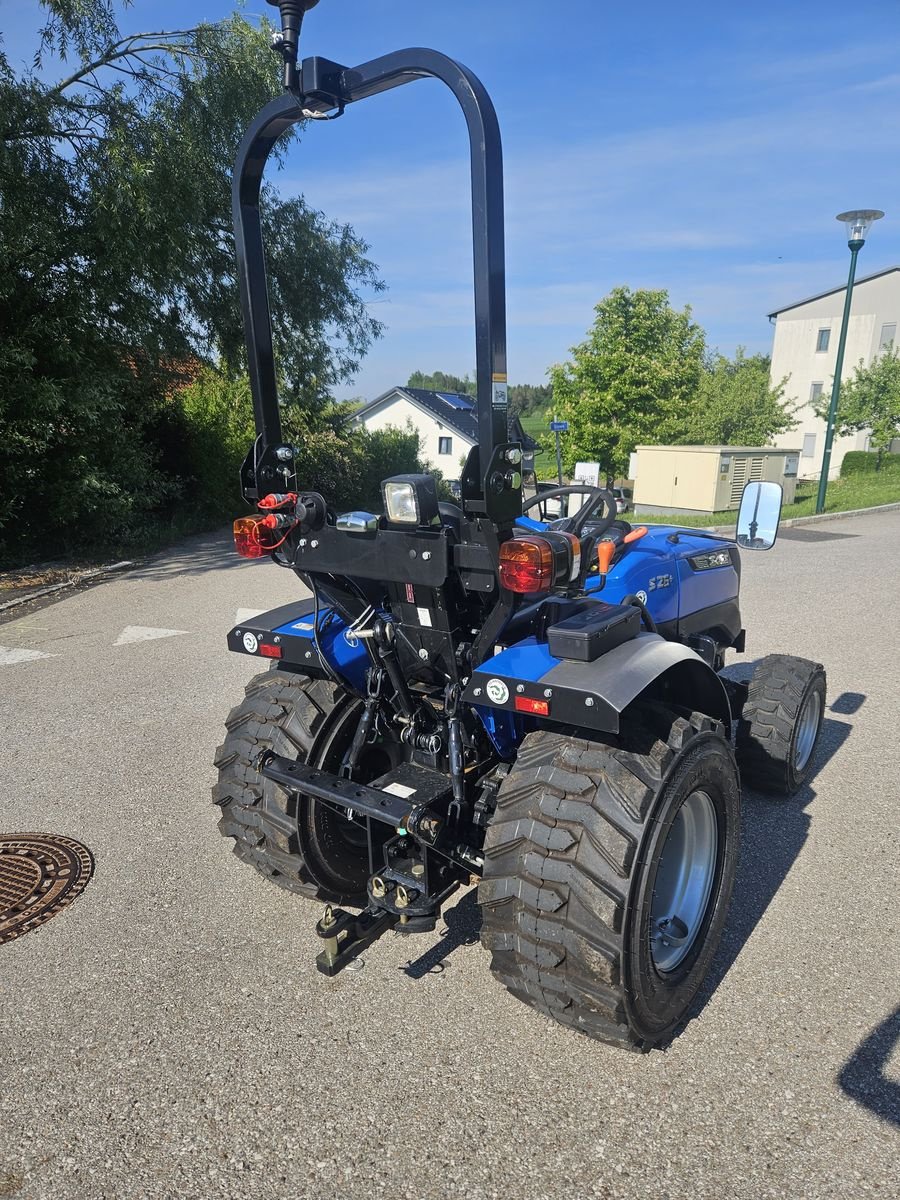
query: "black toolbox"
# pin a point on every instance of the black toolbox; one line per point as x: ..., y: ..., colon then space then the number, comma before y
x: 593, y: 631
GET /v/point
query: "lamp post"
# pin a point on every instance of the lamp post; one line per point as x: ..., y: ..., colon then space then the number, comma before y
x: 858, y: 223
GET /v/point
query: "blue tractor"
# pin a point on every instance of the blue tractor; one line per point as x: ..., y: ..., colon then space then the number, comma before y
x: 471, y: 693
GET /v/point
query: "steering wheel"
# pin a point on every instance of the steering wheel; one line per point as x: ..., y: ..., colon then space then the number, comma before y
x: 577, y: 523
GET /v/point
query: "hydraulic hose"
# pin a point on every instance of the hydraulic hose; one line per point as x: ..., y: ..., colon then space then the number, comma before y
x: 645, y: 615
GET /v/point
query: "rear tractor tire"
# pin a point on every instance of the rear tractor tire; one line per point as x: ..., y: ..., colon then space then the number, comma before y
x: 608, y: 872
x: 781, y: 723
x: 296, y: 842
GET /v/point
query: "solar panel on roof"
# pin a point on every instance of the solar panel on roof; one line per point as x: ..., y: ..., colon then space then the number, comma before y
x: 456, y: 401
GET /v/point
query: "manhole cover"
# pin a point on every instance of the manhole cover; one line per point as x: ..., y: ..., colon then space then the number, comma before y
x: 40, y: 874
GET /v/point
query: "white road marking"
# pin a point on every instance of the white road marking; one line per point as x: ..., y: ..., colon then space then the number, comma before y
x: 8, y: 656
x: 142, y: 633
x: 247, y: 614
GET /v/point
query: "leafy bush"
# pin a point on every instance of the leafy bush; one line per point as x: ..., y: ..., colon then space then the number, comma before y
x: 77, y: 467
x: 209, y: 430
x: 385, y: 452
x: 205, y: 438
x: 860, y: 462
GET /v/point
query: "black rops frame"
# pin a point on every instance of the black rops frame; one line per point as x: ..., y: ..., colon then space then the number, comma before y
x: 322, y: 88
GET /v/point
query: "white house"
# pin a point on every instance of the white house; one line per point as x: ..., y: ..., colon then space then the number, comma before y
x: 445, y: 422
x: 804, y: 348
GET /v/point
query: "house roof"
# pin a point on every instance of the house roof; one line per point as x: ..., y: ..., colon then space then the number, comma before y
x: 450, y: 408
x: 453, y: 409
x: 833, y: 291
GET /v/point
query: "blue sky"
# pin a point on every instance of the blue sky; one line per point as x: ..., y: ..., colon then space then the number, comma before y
x: 699, y: 147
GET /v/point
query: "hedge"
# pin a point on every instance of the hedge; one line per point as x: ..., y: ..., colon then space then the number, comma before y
x: 860, y: 462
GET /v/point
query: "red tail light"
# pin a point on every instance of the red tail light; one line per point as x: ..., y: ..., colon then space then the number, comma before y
x: 268, y: 651
x: 526, y: 565
x: 253, y: 538
x: 540, y: 708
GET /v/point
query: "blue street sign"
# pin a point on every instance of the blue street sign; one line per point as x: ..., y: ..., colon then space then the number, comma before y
x: 559, y: 426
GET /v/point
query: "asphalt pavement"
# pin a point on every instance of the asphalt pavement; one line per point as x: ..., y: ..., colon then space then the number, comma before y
x: 168, y: 1035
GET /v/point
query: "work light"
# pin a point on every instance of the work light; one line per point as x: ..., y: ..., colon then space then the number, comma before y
x: 410, y: 500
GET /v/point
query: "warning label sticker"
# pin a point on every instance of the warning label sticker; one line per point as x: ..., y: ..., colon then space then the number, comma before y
x: 500, y: 395
x: 400, y: 789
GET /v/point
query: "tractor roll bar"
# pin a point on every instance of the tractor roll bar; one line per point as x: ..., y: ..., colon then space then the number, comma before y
x: 323, y: 88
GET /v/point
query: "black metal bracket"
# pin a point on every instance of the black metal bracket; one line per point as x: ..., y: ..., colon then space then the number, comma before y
x: 347, y: 934
x: 415, y: 819
x: 267, y: 469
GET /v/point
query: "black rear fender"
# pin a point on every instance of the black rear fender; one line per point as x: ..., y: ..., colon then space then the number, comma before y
x: 595, y: 695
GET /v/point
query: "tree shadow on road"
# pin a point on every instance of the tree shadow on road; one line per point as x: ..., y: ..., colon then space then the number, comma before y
x: 195, y: 556
x: 863, y: 1075
x: 463, y: 923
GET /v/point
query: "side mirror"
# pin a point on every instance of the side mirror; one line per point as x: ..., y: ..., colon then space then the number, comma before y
x: 759, y: 515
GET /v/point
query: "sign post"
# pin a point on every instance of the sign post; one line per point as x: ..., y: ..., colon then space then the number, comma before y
x: 559, y: 427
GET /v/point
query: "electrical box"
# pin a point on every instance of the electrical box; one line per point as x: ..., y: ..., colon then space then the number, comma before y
x: 707, y: 479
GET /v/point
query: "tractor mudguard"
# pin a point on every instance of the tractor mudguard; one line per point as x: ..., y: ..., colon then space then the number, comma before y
x: 285, y: 635
x: 526, y: 679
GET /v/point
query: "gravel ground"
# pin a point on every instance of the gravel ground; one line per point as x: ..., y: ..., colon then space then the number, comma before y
x: 169, y: 1036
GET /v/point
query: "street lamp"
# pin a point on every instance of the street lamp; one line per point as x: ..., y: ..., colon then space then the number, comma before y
x: 858, y: 223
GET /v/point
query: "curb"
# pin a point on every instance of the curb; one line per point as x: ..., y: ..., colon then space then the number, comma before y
x: 792, y: 521
x: 68, y: 583
x: 836, y: 516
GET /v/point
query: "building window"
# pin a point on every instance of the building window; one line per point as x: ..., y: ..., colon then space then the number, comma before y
x: 445, y: 445
x: 888, y: 336
x: 815, y: 391
x: 822, y: 340
x: 809, y: 445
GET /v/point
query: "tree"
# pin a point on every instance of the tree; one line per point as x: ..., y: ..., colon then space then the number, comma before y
x: 735, y: 405
x: 440, y: 381
x: 632, y: 380
x: 523, y: 397
x: 870, y: 400
x: 117, y: 263
x: 527, y: 398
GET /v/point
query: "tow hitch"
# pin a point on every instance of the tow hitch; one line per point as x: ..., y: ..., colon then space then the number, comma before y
x: 346, y: 934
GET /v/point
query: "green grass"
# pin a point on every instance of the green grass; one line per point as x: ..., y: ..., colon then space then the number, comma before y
x: 537, y: 425
x: 843, y: 495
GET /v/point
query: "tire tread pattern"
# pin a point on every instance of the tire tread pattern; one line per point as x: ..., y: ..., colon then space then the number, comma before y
x: 560, y: 853
x: 775, y: 695
x: 285, y: 713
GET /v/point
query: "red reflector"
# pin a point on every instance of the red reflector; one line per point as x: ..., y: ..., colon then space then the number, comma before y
x: 269, y: 651
x: 526, y: 565
x: 540, y: 708
x: 252, y: 539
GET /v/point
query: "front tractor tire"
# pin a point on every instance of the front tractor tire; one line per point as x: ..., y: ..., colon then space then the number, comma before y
x: 608, y: 872
x: 294, y: 841
x: 781, y: 722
